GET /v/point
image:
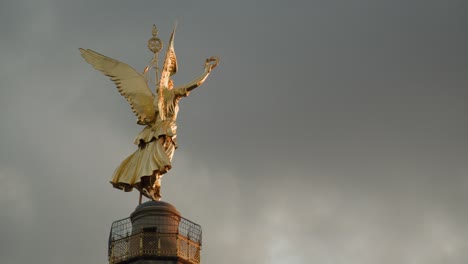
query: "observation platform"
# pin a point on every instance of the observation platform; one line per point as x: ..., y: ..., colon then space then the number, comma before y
x: 155, y: 233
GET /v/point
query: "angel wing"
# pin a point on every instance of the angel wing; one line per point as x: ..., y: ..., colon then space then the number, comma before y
x: 169, y: 69
x: 131, y: 84
x: 170, y: 62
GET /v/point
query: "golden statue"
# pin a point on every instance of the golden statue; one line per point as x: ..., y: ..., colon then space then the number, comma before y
x: 144, y: 168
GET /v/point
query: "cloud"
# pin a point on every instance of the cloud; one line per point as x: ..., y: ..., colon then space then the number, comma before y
x: 17, y: 219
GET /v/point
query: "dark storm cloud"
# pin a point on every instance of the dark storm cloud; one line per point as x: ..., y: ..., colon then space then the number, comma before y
x: 331, y: 132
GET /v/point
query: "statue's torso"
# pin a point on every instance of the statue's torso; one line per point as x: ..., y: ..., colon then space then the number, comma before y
x: 167, y: 127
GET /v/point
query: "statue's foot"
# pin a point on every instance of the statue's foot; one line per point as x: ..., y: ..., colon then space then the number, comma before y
x: 152, y: 194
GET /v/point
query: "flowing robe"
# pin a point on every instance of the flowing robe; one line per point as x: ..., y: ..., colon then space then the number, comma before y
x: 156, y: 146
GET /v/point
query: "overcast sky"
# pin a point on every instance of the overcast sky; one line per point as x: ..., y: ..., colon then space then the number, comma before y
x: 332, y: 132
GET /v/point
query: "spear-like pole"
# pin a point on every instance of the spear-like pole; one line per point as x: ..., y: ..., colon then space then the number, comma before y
x: 155, y: 45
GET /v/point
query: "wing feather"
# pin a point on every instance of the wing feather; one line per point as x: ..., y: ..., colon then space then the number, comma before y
x: 169, y: 69
x: 130, y: 83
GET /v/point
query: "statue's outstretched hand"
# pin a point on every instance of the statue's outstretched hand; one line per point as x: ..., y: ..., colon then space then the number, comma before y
x: 211, y: 63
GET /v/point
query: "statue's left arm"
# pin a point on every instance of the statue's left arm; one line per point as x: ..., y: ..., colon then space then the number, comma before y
x: 210, y: 64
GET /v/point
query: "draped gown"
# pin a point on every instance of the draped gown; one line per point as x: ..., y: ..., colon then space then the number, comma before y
x: 156, y: 145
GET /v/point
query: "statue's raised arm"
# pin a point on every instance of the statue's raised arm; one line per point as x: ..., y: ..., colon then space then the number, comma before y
x: 210, y: 64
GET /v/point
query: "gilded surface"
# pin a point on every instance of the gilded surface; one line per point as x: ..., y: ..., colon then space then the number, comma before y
x: 156, y: 143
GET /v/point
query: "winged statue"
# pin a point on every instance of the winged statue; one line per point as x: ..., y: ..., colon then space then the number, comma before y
x: 157, y: 142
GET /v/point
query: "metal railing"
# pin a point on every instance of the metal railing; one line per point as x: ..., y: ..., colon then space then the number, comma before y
x: 164, y: 238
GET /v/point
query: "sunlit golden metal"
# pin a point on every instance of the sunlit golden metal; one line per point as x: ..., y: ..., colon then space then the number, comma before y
x: 157, y: 141
x: 155, y: 44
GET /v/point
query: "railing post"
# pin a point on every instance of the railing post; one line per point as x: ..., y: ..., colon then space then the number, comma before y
x: 188, y: 249
x: 112, y: 252
x: 141, y: 243
x: 127, y: 248
x: 159, y: 244
x: 177, y: 244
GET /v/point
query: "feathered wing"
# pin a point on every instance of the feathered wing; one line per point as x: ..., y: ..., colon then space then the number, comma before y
x: 170, y: 62
x: 169, y: 69
x: 131, y: 84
